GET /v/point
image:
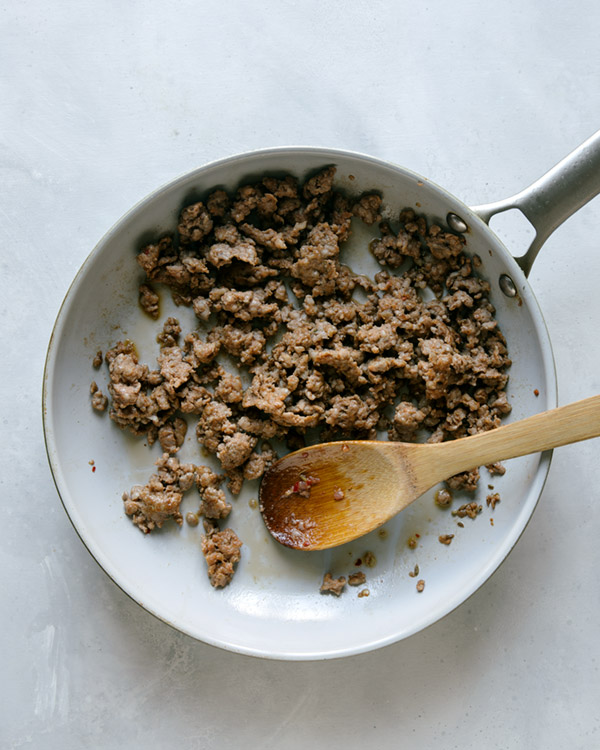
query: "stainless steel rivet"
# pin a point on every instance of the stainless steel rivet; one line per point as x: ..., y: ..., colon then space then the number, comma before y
x: 456, y: 223
x: 507, y: 285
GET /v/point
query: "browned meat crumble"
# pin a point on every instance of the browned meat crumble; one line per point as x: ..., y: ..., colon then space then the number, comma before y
x: 214, y: 501
x: 333, y: 586
x: 443, y: 498
x: 466, y: 481
x: 492, y: 500
x: 152, y: 504
x: 356, y: 579
x: 149, y: 301
x: 172, y: 435
x: 496, y: 469
x: 369, y: 559
x: 99, y: 400
x: 415, y: 351
x: 445, y: 538
x: 472, y: 510
x: 221, y: 550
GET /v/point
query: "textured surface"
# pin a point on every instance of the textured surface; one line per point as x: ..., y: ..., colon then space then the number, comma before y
x: 101, y: 104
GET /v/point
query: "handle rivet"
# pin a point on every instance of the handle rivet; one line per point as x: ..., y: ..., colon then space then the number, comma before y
x: 507, y: 285
x: 456, y: 223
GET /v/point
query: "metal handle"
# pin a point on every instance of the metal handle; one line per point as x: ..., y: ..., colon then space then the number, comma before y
x: 554, y: 197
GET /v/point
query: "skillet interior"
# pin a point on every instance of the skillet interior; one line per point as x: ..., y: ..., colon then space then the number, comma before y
x: 273, y: 608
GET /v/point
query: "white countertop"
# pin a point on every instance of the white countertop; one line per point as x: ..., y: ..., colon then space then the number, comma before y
x: 100, y: 104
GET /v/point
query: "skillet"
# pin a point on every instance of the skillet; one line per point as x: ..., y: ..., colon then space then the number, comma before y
x: 273, y: 608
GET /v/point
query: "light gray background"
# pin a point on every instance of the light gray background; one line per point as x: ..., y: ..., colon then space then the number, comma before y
x: 102, y: 102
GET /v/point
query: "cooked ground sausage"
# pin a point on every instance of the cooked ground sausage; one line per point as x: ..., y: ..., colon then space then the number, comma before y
x: 333, y: 586
x: 262, y: 271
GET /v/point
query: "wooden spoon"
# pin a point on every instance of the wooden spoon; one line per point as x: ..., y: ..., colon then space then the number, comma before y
x: 328, y: 494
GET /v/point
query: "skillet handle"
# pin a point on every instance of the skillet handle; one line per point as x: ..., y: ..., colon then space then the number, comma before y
x: 554, y: 197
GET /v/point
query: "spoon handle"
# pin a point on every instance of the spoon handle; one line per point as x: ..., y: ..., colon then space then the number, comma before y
x: 550, y: 429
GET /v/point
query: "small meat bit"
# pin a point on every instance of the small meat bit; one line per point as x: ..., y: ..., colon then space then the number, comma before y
x: 221, y: 550
x: 149, y: 300
x: 367, y: 208
x: 369, y: 559
x: 492, y: 500
x: 214, y: 501
x: 415, y: 572
x: 412, y: 542
x: 192, y: 519
x: 97, y: 361
x: 301, y: 487
x: 471, y: 510
x: 171, y: 331
x: 363, y: 593
x: 443, y: 498
x: 171, y: 436
x: 338, y: 494
x: 333, y: 586
x: 445, y: 538
x: 356, y: 579
x: 149, y: 506
x: 466, y: 480
x: 497, y: 469
x: 99, y: 400
x: 420, y: 585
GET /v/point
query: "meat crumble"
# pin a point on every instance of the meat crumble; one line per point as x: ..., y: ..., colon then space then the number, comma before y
x: 333, y: 586
x: 443, y: 498
x: 496, y: 469
x: 152, y: 504
x: 472, y: 510
x: 492, y: 500
x: 221, y: 550
x: 356, y: 579
x: 414, y: 352
x: 99, y: 400
x: 149, y: 301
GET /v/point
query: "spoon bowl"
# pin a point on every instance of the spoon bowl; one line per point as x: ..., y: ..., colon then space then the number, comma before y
x: 328, y: 494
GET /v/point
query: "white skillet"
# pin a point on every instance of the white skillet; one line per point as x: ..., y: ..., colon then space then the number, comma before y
x: 273, y: 608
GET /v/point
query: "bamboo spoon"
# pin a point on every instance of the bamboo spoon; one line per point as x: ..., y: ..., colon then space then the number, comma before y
x: 328, y: 494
